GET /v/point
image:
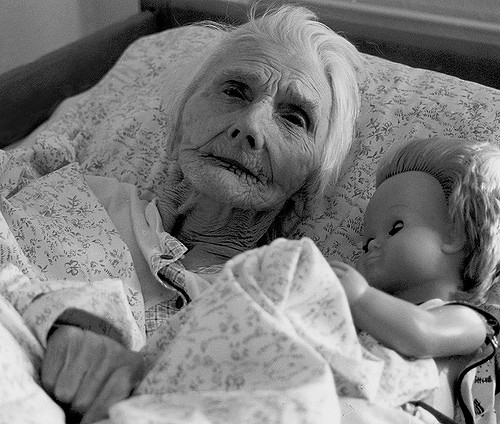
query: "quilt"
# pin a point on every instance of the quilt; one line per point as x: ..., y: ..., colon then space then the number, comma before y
x: 121, y: 129
x: 271, y: 340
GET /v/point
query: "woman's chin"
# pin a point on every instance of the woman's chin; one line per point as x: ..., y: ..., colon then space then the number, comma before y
x: 239, y: 192
x: 244, y: 197
x: 239, y: 189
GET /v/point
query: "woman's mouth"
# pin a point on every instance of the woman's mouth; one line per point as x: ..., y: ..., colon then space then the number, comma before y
x: 237, y: 168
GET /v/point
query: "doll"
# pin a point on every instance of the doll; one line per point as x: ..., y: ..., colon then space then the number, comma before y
x: 431, y: 238
x: 432, y: 231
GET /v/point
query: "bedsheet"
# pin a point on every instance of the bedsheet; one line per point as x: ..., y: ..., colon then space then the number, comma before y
x: 122, y: 128
x: 271, y: 340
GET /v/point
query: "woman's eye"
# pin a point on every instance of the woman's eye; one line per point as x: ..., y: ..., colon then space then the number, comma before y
x: 397, y: 226
x: 232, y: 89
x: 365, y: 246
x: 295, y: 115
x: 296, y: 119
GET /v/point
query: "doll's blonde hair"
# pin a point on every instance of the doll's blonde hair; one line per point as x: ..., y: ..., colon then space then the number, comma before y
x: 469, y: 174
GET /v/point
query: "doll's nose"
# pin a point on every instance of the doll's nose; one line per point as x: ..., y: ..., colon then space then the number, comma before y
x: 371, y: 244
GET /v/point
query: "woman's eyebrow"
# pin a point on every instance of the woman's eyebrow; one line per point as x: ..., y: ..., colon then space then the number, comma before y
x: 309, y: 103
x: 239, y: 74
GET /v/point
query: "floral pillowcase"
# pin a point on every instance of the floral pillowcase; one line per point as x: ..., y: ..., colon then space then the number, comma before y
x: 121, y: 126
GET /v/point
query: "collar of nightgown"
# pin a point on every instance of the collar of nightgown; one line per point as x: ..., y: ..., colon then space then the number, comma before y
x: 163, y: 253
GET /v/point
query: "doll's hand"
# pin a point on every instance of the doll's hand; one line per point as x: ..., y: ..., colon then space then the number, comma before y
x: 87, y: 373
x: 355, y: 285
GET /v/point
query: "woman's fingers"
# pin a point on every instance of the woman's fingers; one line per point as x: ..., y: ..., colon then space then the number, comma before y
x: 117, y: 370
x: 88, y: 372
x: 59, y: 375
x: 118, y: 387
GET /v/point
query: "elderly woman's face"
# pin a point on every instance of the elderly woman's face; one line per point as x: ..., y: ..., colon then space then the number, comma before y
x: 253, y: 129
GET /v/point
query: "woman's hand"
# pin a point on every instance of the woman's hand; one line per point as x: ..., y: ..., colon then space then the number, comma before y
x: 87, y: 373
x: 355, y: 285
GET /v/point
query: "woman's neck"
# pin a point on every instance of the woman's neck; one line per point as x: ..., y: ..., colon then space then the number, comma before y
x: 215, y: 232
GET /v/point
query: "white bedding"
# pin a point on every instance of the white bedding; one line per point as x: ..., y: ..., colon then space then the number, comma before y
x: 121, y: 128
x: 271, y: 339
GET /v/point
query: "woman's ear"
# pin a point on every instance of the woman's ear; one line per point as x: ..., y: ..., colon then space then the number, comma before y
x: 178, y: 104
x: 454, y: 240
x: 175, y: 137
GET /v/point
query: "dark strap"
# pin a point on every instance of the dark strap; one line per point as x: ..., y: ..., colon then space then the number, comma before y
x: 443, y: 419
x: 491, y: 340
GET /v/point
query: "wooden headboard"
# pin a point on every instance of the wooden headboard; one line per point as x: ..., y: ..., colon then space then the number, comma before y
x: 30, y: 93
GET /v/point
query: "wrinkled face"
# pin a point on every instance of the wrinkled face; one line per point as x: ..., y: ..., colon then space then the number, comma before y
x: 253, y: 129
x: 406, y: 224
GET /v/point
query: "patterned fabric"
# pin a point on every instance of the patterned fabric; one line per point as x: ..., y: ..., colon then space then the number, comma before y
x: 278, y: 313
x: 122, y: 128
x: 172, y: 276
x: 156, y: 315
x: 262, y: 342
x: 59, y: 253
x: 64, y: 247
x: 20, y: 353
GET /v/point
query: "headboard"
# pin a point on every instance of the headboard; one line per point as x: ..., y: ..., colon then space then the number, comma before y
x: 30, y: 93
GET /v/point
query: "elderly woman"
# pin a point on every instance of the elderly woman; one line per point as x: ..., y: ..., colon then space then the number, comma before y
x: 263, y: 126
x: 268, y: 119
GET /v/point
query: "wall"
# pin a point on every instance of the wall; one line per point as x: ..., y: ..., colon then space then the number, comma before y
x: 31, y: 28
x: 456, y: 37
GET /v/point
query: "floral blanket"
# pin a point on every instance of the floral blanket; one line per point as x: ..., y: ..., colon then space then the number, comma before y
x: 121, y: 128
x: 271, y: 340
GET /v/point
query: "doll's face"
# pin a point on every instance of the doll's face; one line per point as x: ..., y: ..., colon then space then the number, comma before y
x: 406, y: 229
x: 253, y: 128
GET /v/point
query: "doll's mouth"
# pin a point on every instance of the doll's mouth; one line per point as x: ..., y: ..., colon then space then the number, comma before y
x: 370, y: 258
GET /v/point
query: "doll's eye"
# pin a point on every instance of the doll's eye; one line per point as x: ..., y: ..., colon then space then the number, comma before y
x: 365, y: 246
x: 397, y: 226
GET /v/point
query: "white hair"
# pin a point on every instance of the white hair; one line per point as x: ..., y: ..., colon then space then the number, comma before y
x: 298, y: 28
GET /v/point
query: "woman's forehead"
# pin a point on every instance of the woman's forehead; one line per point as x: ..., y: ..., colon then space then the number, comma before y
x: 298, y: 75
x: 289, y: 60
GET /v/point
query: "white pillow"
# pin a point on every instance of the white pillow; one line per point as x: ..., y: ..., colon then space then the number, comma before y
x: 121, y: 126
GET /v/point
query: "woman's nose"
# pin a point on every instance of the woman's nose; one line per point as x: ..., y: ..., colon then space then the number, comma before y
x: 249, y: 130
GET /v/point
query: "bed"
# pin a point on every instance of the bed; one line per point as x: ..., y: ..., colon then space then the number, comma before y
x: 61, y: 117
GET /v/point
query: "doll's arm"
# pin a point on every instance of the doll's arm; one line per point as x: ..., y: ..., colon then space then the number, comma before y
x: 407, y: 328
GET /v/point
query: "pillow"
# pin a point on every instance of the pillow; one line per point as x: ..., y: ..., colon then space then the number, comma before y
x: 121, y: 127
